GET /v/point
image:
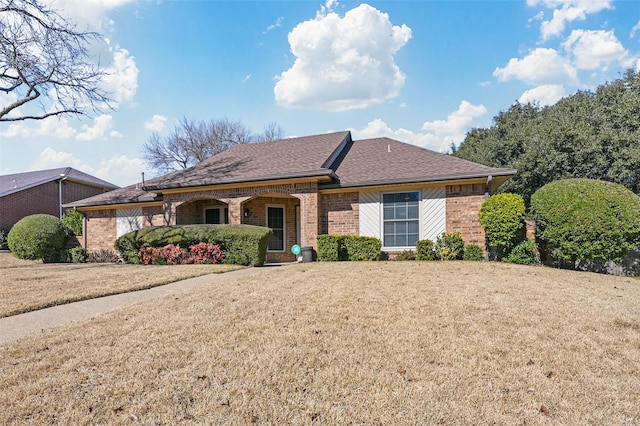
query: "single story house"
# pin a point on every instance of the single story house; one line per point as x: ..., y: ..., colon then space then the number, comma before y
x: 45, y: 191
x: 306, y: 186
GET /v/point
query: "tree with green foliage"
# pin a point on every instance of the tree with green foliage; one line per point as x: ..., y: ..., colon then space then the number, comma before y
x: 502, y: 218
x: 586, y: 135
x: 37, y: 237
x: 586, y: 219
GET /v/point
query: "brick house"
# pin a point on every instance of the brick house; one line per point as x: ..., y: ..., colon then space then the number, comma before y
x: 306, y: 186
x: 45, y: 191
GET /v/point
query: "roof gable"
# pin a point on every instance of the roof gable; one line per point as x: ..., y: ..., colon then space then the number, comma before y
x: 16, y: 182
x: 386, y: 161
x: 309, y: 156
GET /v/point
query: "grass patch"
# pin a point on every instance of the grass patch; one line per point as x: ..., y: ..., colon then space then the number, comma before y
x: 345, y: 343
x: 28, y: 285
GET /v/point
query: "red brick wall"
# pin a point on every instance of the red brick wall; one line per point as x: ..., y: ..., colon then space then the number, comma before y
x: 43, y: 198
x: 339, y: 214
x: 101, y: 229
x: 463, y: 206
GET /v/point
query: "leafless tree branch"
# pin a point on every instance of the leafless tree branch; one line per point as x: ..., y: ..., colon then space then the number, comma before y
x: 42, y: 55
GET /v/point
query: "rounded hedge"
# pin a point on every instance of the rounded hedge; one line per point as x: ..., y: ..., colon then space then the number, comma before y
x: 502, y: 218
x: 37, y: 237
x: 586, y: 219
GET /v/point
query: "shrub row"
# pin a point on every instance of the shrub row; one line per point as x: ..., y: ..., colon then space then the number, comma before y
x: 175, y: 255
x: 241, y: 244
x: 333, y: 248
x: 448, y: 246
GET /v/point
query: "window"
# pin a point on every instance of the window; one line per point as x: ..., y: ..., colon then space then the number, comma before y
x: 216, y: 215
x: 401, y: 219
x: 275, y: 221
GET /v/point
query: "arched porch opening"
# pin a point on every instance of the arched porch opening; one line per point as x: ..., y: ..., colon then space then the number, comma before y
x: 281, y: 213
x: 202, y: 211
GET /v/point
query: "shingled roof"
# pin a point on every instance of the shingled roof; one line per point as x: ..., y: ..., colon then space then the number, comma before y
x: 16, y: 182
x: 282, y: 159
x: 333, y: 158
x: 385, y: 161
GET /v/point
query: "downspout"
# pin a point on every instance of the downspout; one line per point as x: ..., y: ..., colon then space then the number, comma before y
x: 487, y: 189
x: 62, y: 178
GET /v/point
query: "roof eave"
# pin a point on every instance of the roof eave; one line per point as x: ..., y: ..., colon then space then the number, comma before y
x: 428, y: 179
x: 320, y: 174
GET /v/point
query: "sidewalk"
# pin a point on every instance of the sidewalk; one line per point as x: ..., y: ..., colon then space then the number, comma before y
x: 17, y: 326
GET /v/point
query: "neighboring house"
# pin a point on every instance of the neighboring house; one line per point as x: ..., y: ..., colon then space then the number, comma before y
x: 45, y: 191
x: 306, y: 186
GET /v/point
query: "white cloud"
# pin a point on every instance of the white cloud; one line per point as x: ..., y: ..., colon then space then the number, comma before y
x: 541, y: 66
x: 567, y: 11
x: 101, y: 125
x: 120, y: 169
x: 121, y: 81
x: 547, y: 94
x: 438, y: 135
x: 343, y: 63
x: 49, y: 158
x: 157, y: 123
x: 276, y: 24
x: 594, y: 49
x: 90, y: 13
x: 57, y: 127
x: 635, y: 28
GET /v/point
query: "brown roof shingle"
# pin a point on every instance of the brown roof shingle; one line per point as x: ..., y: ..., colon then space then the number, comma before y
x: 386, y: 161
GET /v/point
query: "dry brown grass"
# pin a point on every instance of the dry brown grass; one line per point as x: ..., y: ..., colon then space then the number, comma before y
x: 346, y: 343
x: 28, y: 285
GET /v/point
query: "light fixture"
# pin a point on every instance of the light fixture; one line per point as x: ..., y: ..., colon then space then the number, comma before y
x: 246, y: 212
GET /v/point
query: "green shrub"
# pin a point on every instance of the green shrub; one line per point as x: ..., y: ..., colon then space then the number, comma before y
x: 586, y: 219
x: 473, y: 252
x: 449, y: 246
x: 502, y: 218
x: 241, y: 244
x: 330, y: 248
x: 74, y: 255
x: 4, y: 244
x: 525, y: 253
x: 37, y: 237
x: 333, y: 248
x: 406, y: 255
x: 425, y: 250
x: 72, y: 220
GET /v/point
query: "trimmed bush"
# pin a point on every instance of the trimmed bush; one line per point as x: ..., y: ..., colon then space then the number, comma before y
x: 37, y: 237
x: 449, y: 246
x: 586, y: 219
x: 425, y: 250
x: 241, y: 244
x: 333, y: 248
x: 502, y: 218
x: 473, y: 252
x: 525, y: 253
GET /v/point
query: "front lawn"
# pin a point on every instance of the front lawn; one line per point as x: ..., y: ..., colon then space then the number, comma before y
x: 345, y: 343
x: 29, y: 285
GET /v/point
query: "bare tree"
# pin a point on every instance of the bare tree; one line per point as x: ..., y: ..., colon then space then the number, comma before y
x: 194, y: 141
x: 42, y: 56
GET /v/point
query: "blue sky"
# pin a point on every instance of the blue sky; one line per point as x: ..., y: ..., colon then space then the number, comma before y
x: 423, y: 72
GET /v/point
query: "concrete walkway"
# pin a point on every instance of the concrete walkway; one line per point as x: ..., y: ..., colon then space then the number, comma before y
x: 17, y: 326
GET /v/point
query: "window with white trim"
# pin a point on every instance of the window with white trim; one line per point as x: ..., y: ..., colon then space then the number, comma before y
x: 275, y: 221
x: 401, y: 219
x: 216, y: 215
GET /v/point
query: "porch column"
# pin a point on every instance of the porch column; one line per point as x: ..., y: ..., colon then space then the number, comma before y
x: 235, y: 209
x: 309, y: 219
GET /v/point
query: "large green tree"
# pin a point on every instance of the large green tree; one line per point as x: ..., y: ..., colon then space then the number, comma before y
x: 588, y: 135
